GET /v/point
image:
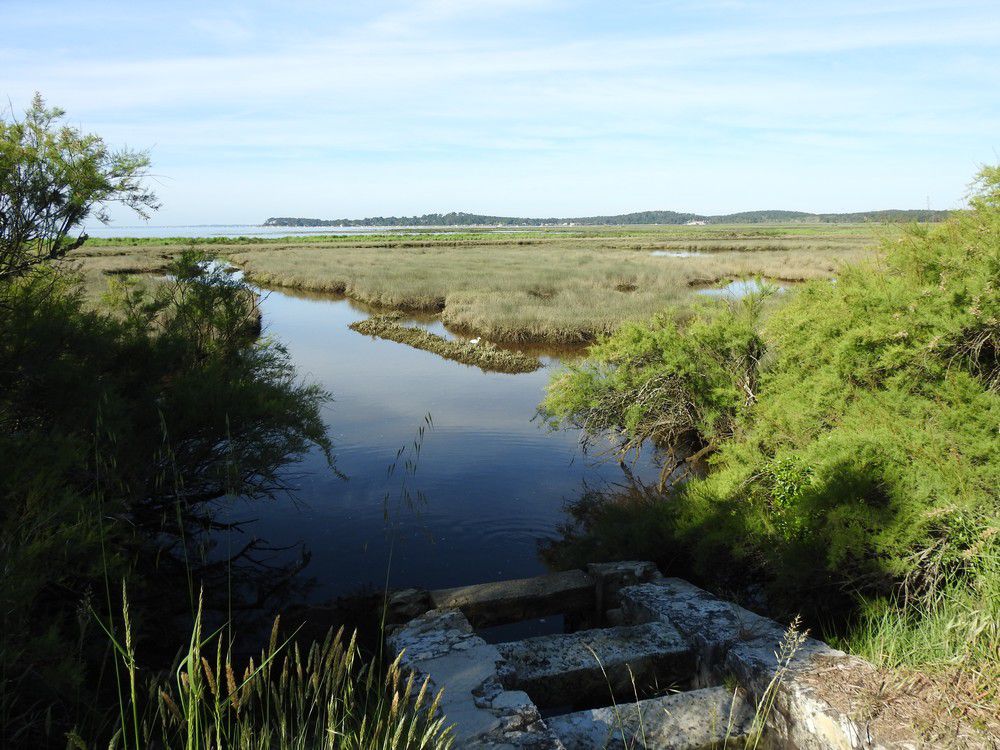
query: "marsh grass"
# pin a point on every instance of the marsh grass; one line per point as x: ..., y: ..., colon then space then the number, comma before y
x: 789, y: 646
x: 95, y: 272
x: 483, y: 355
x: 556, y: 286
x: 559, y: 292
x: 300, y: 693
x: 327, y: 697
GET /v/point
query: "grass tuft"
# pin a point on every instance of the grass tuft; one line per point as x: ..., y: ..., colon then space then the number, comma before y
x: 325, y: 697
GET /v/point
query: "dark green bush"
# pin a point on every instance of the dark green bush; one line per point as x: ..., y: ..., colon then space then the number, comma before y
x: 120, y: 434
x: 863, y: 461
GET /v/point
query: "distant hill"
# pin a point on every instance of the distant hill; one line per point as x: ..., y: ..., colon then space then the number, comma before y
x: 461, y: 219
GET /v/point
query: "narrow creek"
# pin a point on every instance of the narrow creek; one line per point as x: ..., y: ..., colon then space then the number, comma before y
x: 471, y: 505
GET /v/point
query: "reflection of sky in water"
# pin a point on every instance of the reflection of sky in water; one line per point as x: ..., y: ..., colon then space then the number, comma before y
x: 494, y: 481
x: 676, y: 254
x: 434, y: 326
x: 736, y: 289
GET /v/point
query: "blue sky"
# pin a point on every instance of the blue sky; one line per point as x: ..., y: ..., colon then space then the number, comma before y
x: 523, y: 107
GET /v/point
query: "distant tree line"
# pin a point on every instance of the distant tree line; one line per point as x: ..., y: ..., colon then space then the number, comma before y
x: 460, y: 218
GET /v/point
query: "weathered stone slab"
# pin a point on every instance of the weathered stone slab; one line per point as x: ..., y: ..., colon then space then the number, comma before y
x: 732, y: 641
x: 442, y: 646
x: 596, y: 666
x: 432, y: 635
x: 710, y: 625
x: 405, y: 604
x: 611, y: 578
x: 698, y: 720
x: 666, y: 630
x: 502, y: 602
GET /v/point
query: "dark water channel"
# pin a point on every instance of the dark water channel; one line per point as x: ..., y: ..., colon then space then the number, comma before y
x: 487, y: 484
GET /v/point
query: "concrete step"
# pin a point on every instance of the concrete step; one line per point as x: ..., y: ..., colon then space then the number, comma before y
x: 500, y: 602
x: 595, y: 667
x: 442, y: 646
x: 697, y: 720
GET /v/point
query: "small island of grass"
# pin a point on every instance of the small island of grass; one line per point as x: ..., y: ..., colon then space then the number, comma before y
x: 484, y: 355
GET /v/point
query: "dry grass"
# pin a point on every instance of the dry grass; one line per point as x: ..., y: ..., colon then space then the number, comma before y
x: 546, y: 285
x: 95, y: 269
x: 942, y: 708
x: 551, y: 287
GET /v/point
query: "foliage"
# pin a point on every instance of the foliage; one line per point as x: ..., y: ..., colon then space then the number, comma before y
x: 120, y: 436
x: 52, y: 177
x: 122, y: 430
x: 863, y: 476
x: 681, y: 387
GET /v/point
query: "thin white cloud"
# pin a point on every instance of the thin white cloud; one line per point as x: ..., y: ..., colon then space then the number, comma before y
x: 224, y: 29
x: 416, y: 16
x: 442, y: 83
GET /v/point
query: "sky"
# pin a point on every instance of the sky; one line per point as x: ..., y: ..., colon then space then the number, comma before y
x: 522, y: 107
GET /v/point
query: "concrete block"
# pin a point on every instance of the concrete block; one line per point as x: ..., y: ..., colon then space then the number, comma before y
x: 502, y: 602
x: 610, y: 578
x: 405, y: 604
x: 597, y: 666
x: 730, y: 641
x: 697, y: 720
x: 441, y: 646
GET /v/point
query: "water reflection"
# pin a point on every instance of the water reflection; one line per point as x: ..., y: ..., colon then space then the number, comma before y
x: 550, y: 353
x: 676, y: 254
x: 739, y: 288
x: 487, y: 482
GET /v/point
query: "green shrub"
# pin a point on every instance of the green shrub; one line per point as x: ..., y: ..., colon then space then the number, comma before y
x: 119, y: 435
x: 680, y: 386
x: 863, y: 473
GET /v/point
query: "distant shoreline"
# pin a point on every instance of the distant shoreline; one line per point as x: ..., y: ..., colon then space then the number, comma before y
x: 632, y: 219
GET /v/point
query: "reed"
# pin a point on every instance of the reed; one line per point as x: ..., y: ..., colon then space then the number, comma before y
x: 325, y: 698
